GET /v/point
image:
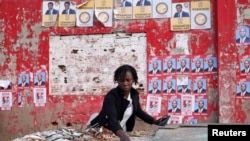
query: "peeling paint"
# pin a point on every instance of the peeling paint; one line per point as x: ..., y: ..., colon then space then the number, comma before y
x: 25, y: 46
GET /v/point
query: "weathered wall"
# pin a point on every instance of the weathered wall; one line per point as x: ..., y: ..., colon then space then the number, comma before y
x: 232, y: 109
x: 25, y: 47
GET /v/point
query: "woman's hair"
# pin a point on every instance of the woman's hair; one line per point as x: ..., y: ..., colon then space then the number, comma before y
x: 120, y: 73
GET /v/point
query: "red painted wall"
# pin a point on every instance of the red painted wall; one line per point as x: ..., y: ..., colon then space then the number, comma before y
x: 24, y: 45
x: 232, y: 109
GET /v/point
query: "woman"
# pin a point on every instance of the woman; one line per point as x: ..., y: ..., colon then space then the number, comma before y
x: 121, y: 105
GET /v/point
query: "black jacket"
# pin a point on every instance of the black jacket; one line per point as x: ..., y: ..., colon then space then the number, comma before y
x: 113, y: 108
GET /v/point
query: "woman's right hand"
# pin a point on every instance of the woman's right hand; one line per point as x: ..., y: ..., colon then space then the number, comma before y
x: 123, y: 136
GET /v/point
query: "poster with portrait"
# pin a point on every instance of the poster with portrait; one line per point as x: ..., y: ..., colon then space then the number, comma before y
x: 174, y: 105
x: 169, y: 65
x: 104, y: 12
x: 67, y: 14
x: 169, y: 85
x: 50, y: 13
x: 123, y: 9
x: 180, y: 16
x: 197, y: 65
x: 85, y: 14
x: 142, y: 9
x: 210, y: 64
x: 190, y: 120
x: 199, y: 85
x: 5, y: 85
x: 187, y: 105
x: 6, y: 100
x: 200, y: 105
x: 175, y: 119
x: 40, y: 78
x: 184, y: 84
x: 245, y: 65
x: 242, y: 35
x: 154, y: 66
x: 161, y: 8
x: 40, y: 97
x: 154, y: 85
x: 153, y: 106
x: 24, y: 80
x: 183, y: 64
x: 20, y: 98
x: 200, y: 14
x: 243, y: 88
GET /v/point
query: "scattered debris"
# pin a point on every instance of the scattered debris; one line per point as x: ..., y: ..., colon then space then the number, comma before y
x: 89, y: 134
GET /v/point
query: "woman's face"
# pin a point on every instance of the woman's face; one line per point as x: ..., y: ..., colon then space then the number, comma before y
x: 126, y: 82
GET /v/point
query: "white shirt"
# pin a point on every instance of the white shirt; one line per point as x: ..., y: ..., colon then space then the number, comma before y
x: 127, y: 114
x: 184, y: 90
x: 180, y: 14
x: 123, y: 4
x: 142, y: 3
x: 200, y: 110
x: 243, y: 93
x: 199, y: 90
x: 173, y: 110
x: 154, y: 71
x: 39, y: 83
x: 169, y: 90
x: 210, y: 69
x: 242, y: 39
x: 182, y: 69
x: 154, y: 91
x: 247, y: 70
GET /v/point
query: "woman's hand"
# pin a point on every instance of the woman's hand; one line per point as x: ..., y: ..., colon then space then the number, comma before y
x: 123, y: 136
x: 162, y: 121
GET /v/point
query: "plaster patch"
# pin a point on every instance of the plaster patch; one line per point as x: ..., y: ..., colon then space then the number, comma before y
x: 182, y: 43
x: 85, y: 65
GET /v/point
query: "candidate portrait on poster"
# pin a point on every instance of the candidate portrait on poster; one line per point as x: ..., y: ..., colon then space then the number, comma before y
x: 154, y: 67
x: 197, y: 65
x: 174, y: 106
x: 169, y: 86
x: 50, y: 13
x: 155, y: 87
x: 184, y: 85
x: 192, y: 121
x: 200, y: 86
x: 124, y: 3
x: 242, y: 35
x: 169, y: 65
x: 245, y: 66
x: 210, y: 64
x: 201, y: 106
x: 181, y: 10
x: 23, y: 80
x: 243, y: 89
x: 183, y: 65
x: 142, y: 2
x: 153, y: 105
x: 40, y: 79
